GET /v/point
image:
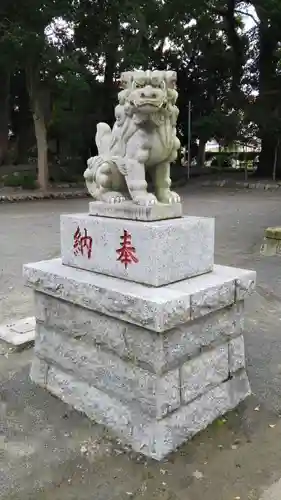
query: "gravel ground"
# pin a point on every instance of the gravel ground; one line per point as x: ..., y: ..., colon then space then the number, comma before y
x: 44, y: 455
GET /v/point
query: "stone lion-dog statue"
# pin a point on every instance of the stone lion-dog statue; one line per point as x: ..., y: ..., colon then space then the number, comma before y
x: 143, y: 139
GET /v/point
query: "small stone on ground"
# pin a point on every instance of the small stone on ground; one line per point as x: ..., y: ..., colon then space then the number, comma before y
x: 18, y: 333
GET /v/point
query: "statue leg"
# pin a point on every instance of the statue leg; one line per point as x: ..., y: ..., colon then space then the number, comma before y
x: 137, y: 156
x: 137, y: 184
x: 163, y: 183
x: 162, y: 177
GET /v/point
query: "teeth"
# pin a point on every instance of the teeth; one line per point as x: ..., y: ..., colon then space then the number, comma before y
x: 151, y: 103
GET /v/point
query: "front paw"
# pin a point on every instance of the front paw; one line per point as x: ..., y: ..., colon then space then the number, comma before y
x: 168, y: 197
x: 113, y: 197
x: 144, y: 199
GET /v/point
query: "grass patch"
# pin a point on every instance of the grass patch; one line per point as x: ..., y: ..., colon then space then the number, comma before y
x: 22, y: 180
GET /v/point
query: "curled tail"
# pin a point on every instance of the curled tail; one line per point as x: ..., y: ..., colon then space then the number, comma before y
x: 90, y: 175
x: 98, y: 164
x: 103, y: 138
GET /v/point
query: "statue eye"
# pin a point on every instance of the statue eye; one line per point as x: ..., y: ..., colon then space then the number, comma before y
x: 138, y: 85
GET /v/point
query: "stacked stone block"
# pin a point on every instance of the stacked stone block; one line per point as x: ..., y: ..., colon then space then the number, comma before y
x: 155, y: 363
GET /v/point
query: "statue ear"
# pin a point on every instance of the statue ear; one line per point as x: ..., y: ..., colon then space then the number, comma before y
x: 171, y: 79
x: 126, y: 79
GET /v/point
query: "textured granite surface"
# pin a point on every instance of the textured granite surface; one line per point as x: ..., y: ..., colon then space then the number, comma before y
x: 154, y: 438
x: 158, y: 310
x: 156, y: 352
x: 152, y: 253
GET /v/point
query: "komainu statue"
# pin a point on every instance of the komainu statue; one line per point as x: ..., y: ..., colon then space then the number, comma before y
x: 143, y: 139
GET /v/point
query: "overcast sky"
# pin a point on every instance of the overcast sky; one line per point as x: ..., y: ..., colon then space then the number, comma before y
x: 249, y: 22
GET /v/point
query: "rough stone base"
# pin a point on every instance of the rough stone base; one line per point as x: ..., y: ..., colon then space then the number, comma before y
x: 155, y: 366
x: 270, y: 247
x: 153, y: 389
x: 272, y: 242
x: 157, y: 310
x: 153, y: 438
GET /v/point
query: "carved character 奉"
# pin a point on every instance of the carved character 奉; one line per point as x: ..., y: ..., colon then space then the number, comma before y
x: 143, y: 139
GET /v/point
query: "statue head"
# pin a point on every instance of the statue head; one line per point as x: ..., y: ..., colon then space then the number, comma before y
x: 148, y: 91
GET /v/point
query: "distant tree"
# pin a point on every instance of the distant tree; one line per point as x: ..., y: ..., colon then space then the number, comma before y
x: 23, y: 40
x: 63, y: 76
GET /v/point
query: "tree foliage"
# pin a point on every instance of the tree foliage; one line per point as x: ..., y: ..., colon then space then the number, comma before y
x: 60, y: 61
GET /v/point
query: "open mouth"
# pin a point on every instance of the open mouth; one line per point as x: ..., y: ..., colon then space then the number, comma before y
x: 153, y: 104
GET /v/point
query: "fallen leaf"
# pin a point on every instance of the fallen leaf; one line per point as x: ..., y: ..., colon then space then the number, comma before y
x: 221, y: 421
x: 197, y: 474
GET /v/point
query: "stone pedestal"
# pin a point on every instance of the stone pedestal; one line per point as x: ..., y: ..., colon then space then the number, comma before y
x: 158, y: 253
x: 272, y: 242
x: 155, y: 365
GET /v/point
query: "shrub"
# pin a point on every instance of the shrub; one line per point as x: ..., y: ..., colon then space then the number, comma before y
x: 21, y: 180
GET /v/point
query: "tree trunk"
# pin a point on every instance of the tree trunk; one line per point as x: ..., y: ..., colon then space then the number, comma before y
x: 275, y: 161
x: 109, y: 90
x: 4, y: 114
x: 238, y: 49
x: 201, y: 154
x: 38, y: 113
x: 42, y: 150
x: 268, y: 93
x: 111, y: 58
x: 266, y: 160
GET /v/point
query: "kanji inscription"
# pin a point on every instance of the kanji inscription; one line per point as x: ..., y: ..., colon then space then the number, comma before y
x: 82, y: 244
x: 127, y: 253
